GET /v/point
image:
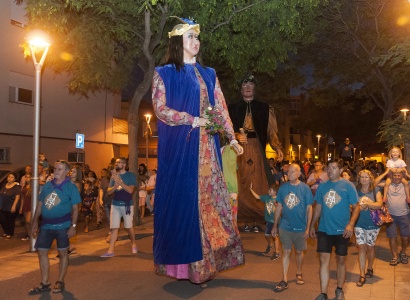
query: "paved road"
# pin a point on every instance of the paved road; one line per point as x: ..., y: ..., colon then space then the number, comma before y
x: 130, y: 276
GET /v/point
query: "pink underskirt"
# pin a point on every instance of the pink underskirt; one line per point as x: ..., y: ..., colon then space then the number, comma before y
x: 178, y: 271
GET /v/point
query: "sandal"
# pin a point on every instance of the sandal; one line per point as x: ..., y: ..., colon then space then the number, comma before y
x: 369, y: 273
x: 58, y: 287
x: 403, y: 258
x: 394, y: 261
x: 299, y: 279
x: 40, y: 289
x: 361, y: 282
x: 281, y: 286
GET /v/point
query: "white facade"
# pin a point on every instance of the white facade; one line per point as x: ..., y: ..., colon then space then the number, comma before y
x: 62, y: 114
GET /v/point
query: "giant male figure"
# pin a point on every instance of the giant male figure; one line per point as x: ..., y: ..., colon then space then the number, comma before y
x: 257, y: 121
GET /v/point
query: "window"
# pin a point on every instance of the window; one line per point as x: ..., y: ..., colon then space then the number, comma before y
x: 5, y: 154
x: 76, y: 157
x: 20, y: 95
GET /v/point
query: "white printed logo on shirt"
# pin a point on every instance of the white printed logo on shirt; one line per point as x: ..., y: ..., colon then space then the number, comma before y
x: 52, y: 200
x: 331, y: 198
x: 270, y: 207
x: 291, y: 200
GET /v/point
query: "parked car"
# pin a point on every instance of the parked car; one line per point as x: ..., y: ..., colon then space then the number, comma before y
x: 19, y: 172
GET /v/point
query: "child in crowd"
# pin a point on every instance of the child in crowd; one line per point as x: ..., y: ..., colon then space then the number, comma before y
x: 88, y: 196
x: 396, y: 161
x: 270, y: 205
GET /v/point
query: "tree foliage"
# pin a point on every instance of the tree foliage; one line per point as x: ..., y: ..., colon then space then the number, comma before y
x: 361, y: 50
x: 99, y: 42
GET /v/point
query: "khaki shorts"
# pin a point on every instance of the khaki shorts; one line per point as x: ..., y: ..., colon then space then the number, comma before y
x: 289, y: 238
x: 120, y: 211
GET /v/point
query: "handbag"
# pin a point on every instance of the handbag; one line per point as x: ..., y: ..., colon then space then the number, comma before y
x: 381, y: 216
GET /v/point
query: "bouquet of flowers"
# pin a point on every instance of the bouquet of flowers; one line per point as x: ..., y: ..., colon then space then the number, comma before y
x: 215, y: 120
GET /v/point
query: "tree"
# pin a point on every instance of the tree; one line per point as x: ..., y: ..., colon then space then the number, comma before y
x: 100, y: 42
x: 360, y: 51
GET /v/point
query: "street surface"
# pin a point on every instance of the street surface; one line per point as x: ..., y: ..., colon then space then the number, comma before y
x: 131, y: 276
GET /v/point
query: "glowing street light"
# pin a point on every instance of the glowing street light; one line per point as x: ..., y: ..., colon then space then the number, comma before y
x: 314, y: 153
x: 318, y: 145
x: 147, y: 134
x: 299, y: 151
x: 404, y: 111
x: 38, y: 41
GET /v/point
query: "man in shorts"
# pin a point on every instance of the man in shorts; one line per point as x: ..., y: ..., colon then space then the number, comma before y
x: 58, y: 206
x: 122, y: 185
x: 295, y: 203
x: 336, y: 226
x: 399, y: 210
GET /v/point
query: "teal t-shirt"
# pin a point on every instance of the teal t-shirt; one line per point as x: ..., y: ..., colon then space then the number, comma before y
x: 58, y: 202
x: 294, y: 200
x: 269, y: 210
x: 121, y: 197
x: 365, y: 220
x: 335, y: 199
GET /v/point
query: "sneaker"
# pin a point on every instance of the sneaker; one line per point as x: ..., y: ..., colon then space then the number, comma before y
x: 340, y: 295
x: 134, y: 249
x: 27, y: 238
x: 246, y: 228
x: 321, y: 297
x: 268, y: 249
x: 275, y: 256
x: 255, y: 229
x: 8, y: 237
x: 106, y: 255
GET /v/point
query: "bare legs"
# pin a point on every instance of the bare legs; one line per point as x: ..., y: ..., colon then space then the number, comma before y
x: 114, y: 235
x: 45, y: 265
x: 286, y: 262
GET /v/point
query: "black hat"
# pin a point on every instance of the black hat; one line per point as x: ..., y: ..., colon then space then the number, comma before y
x: 249, y: 78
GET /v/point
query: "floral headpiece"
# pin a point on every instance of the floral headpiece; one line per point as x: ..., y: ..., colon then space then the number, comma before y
x: 180, y: 29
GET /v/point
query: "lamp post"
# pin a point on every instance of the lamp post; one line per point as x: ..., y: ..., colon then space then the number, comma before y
x: 360, y: 154
x: 37, y: 41
x: 318, y: 145
x: 299, y: 151
x: 314, y: 153
x: 354, y: 154
x: 147, y: 136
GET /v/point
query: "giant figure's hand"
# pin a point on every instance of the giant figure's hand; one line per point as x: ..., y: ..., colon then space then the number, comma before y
x: 242, y: 138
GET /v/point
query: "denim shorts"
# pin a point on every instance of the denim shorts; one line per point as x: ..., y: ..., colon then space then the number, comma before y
x: 398, y: 221
x: 326, y: 242
x: 47, y: 236
x: 268, y: 229
x: 120, y: 211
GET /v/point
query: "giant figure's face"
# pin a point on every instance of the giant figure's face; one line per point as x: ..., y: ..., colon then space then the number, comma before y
x: 248, y: 90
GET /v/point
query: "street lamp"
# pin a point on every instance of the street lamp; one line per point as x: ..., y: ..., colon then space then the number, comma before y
x: 318, y: 145
x: 147, y: 134
x: 38, y: 41
x: 354, y: 154
x: 314, y: 153
x: 299, y: 151
x: 404, y: 111
x: 360, y: 154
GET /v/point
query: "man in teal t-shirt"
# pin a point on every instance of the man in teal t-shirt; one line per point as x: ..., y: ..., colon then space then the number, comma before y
x: 295, y: 204
x: 336, y: 226
x: 58, y: 206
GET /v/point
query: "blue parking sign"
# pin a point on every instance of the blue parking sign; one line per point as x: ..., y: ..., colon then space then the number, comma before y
x: 79, y: 141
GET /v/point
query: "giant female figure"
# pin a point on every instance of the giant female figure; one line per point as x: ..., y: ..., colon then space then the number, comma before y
x: 194, y: 233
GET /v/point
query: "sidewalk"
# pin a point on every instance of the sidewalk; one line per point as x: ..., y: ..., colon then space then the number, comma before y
x: 255, y: 280
x: 18, y: 260
x: 388, y: 282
